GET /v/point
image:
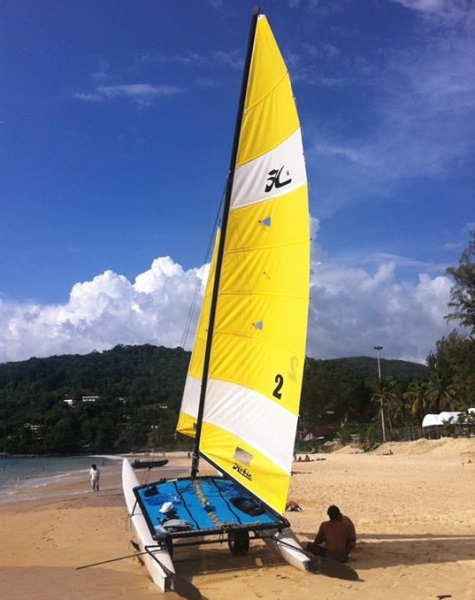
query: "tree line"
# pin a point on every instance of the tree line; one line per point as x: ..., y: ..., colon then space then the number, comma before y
x: 450, y: 385
x: 139, y: 389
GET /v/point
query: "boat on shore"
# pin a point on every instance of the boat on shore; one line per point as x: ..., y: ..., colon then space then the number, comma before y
x: 149, y: 464
x: 242, y: 392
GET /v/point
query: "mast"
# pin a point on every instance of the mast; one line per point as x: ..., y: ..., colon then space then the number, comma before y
x: 222, y: 240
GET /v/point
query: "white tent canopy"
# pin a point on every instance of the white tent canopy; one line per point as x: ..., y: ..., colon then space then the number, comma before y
x: 441, y: 418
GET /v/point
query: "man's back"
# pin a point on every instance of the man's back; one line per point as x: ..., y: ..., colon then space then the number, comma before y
x: 351, y: 531
x: 336, y: 537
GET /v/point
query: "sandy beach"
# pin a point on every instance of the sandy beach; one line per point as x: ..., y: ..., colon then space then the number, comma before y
x: 413, y: 509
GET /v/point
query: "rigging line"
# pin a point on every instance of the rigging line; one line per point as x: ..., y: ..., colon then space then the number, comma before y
x: 199, y: 492
x: 181, y: 496
x: 133, y: 509
x: 221, y: 245
x: 144, y: 479
x: 231, y: 508
x: 207, y: 257
x: 129, y: 527
x: 104, y: 562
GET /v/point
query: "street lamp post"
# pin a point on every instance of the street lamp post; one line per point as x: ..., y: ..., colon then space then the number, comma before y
x: 378, y: 349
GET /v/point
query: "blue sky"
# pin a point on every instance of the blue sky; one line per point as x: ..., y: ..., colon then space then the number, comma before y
x: 116, y: 124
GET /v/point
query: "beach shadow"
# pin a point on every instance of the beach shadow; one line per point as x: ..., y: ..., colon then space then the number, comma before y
x: 425, y: 536
x: 374, y: 551
x: 221, y: 562
x: 196, y: 562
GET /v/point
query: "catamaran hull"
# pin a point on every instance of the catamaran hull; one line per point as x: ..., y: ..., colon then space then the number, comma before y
x: 284, y: 543
x: 157, y: 558
x: 206, y: 508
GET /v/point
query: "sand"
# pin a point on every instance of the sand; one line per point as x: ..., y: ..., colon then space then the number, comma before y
x: 413, y: 509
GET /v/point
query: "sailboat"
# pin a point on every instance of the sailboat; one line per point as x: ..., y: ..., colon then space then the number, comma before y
x: 242, y: 392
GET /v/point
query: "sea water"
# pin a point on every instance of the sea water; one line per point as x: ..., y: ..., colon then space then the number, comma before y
x: 22, y: 477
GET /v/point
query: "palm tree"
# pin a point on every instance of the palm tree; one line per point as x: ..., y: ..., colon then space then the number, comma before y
x: 417, y: 399
x: 442, y: 394
x: 395, y: 406
x: 385, y: 393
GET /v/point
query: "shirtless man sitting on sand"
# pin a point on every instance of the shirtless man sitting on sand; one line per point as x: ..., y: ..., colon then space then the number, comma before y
x: 335, y: 538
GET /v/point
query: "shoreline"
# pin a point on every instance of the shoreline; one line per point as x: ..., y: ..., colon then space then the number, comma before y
x: 44, y: 484
x: 413, y: 511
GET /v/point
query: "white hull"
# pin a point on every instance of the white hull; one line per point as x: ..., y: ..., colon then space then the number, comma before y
x: 285, y: 544
x: 160, y: 573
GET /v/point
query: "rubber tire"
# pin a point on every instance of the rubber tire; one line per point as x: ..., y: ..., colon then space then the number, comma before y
x: 238, y: 542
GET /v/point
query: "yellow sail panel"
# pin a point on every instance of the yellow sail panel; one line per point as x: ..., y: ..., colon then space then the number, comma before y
x: 262, y: 317
x: 267, y: 247
x: 269, y: 99
x: 190, y: 402
x: 255, y: 361
x: 261, y: 475
x: 186, y: 424
x: 259, y: 337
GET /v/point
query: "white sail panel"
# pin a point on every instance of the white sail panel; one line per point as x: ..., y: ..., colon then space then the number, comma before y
x: 243, y: 413
x: 271, y: 175
x: 189, y: 406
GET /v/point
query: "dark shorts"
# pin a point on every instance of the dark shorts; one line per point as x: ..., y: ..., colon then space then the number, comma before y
x: 321, y: 551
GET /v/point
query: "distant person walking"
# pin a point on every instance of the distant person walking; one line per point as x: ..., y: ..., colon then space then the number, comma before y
x: 94, y: 475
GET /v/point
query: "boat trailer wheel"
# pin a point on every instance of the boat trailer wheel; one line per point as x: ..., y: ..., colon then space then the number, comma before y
x: 238, y: 542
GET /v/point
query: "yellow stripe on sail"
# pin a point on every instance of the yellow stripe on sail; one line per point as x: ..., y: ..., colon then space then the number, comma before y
x: 262, y: 476
x: 189, y: 407
x: 262, y: 317
x: 269, y: 99
x: 186, y: 424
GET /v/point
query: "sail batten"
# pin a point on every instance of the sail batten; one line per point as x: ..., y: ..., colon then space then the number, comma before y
x: 243, y: 405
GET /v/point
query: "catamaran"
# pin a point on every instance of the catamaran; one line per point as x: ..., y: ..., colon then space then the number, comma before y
x: 242, y: 392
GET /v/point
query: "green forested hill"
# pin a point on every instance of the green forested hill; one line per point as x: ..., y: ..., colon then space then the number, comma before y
x: 146, y: 373
x: 366, y: 366
x: 139, y: 389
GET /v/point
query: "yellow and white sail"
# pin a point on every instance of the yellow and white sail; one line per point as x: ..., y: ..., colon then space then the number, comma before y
x: 258, y: 341
x: 188, y: 416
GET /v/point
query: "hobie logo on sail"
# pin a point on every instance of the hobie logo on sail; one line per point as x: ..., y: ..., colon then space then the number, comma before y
x: 274, y: 179
x: 242, y: 471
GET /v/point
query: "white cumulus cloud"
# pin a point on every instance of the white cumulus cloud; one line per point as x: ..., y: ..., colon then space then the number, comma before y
x: 352, y: 310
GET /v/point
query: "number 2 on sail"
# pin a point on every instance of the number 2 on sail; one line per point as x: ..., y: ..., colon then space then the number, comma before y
x: 279, y: 379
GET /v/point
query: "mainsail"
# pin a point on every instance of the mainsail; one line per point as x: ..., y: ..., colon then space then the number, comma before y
x: 253, y: 361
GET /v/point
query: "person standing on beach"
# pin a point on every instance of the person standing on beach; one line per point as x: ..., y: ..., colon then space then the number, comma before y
x: 335, y: 538
x: 94, y: 475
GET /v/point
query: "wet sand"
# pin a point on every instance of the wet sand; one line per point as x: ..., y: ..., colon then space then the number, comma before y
x: 413, y: 509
